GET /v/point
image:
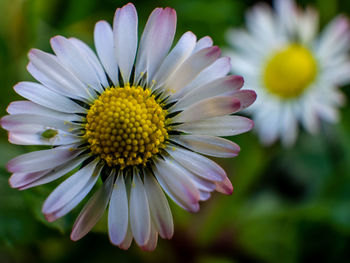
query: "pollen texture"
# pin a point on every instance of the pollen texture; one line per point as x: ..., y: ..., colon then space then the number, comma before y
x: 126, y: 126
x: 289, y: 72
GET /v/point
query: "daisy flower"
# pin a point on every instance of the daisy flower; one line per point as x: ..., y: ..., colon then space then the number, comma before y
x: 135, y: 118
x: 294, y: 71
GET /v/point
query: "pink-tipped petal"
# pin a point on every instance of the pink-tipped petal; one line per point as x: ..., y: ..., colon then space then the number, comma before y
x: 209, y: 108
x: 41, y: 160
x: 71, y: 187
x: 218, y: 126
x: 197, y: 164
x: 93, y: 210
x: 156, y: 41
x: 224, y: 187
x: 176, y: 57
x: 191, y: 68
x: 178, y: 187
x: 208, y: 145
x: 215, y: 88
x: 160, y: 210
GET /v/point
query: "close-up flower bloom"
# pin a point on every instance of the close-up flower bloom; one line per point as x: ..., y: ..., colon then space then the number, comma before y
x: 136, y: 118
x: 295, y: 72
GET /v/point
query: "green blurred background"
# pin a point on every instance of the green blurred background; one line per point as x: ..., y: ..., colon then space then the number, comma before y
x: 288, y: 205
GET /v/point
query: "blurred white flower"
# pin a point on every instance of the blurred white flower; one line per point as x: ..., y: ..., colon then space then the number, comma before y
x: 295, y: 71
x: 140, y: 127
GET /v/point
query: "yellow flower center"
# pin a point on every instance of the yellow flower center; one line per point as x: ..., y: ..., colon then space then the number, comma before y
x: 126, y: 126
x: 289, y: 72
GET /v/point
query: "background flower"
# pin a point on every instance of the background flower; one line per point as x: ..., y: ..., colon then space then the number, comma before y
x: 288, y: 204
x: 295, y: 69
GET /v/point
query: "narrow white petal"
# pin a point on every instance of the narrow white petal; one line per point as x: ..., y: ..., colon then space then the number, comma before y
x: 176, y: 57
x: 152, y: 241
x: 13, y: 122
x: 76, y: 60
x: 125, y: 39
x: 31, y: 108
x: 127, y: 240
x: 67, y: 190
x: 33, y: 135
x: 209, y: 108
x: 212, y: 89
x: 204, y: 196
x: 24, y: 181
x: 160, y: 210
x: 93, y: 210
x: 180, y: 188
x: 156, y: 41
x: 202, y: 43
x: 42, y: 160
x: 198, y: 164
x: 224, y: 187
x: 208, y: 145
x: 220, y: 68
x: 93, y: 60
x: 140, y: 219
x: 50, y: 72
x: 104, y: 44
x: 219, y: 126
x: 190, y: 68
x: 118, y: 213
x: 47, y: 98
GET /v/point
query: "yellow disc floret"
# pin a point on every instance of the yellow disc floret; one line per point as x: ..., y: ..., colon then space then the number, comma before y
x: 126, y: 126
x: 290, y: 71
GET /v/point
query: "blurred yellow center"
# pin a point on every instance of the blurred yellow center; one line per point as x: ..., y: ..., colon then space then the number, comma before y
x: 289, y: 72
x: 126, y: 126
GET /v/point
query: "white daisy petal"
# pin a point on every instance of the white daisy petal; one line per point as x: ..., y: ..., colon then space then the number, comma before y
x: 212, y: 89
x: 13, y: 122
x: 140, y: 219
x: 125, y: 39
x: 176, y: 57
x: 74, y: 59
x: 209, y: 108
x: 34, y: 135
x: 83, y: 179
x: 118, y: 213
x: 103, y: 36
x: 93, y: 210
x: 204, y: 196
x: 49, y: 71
x: 198, y: 164
x: 127, y: 240
x: 156, y: 41
x: 24, y: 181
x: 152, y: 241
x: 178, y: 187
x: 189, y: 69
x: 220, y: 68
x: 208, y: 145
x: 224, y: 187
x: 202, y: 43
x: 47, y: 98
x: 90, y: 55
x: 218, y: 126
x: 159, y: 207
x: 30, y: 108
x: 41, y: 160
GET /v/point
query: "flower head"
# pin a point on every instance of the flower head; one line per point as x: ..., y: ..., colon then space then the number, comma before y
x: 294, y: 71
x: 138, y: 127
